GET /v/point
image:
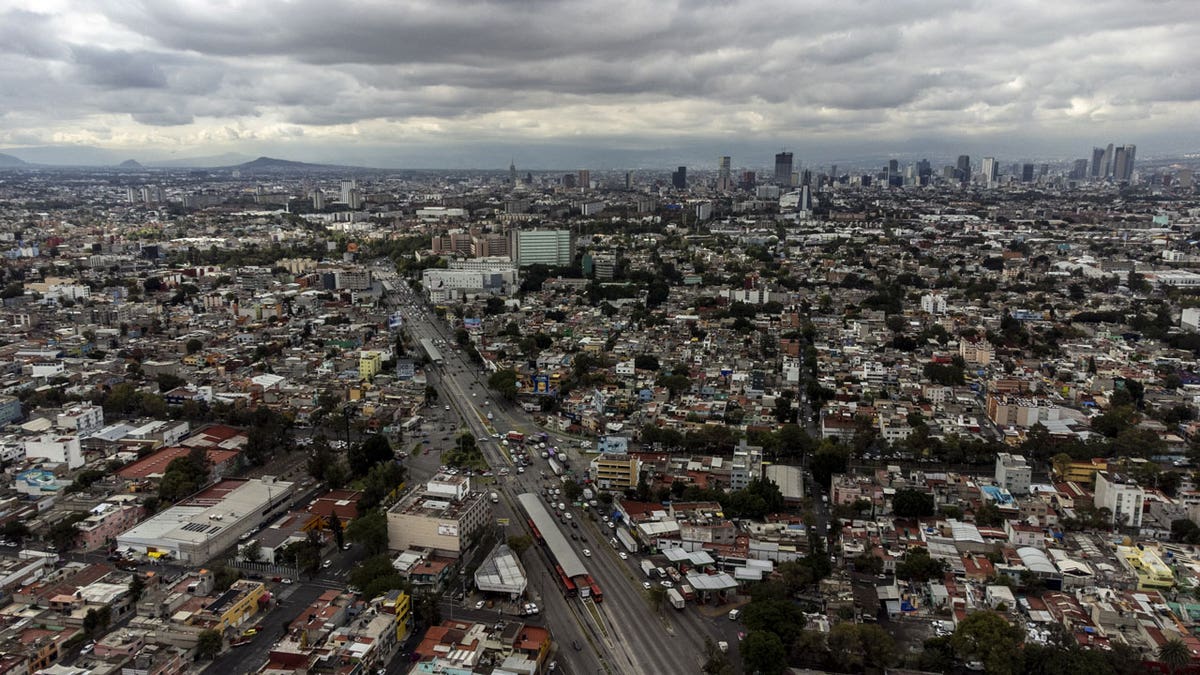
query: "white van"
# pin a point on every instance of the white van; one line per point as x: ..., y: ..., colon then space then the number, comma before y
x: 734, y: 614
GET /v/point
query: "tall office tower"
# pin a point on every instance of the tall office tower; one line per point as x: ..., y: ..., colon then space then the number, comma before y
x: 1027, y: 173
x: 568, y: 180
x: 724, y: 182
x: 1123, y: 162
x: 347, y: 186
x: 963, y: 168
x: 1097, y: 162
x: 1107, y: 167
x: 679, y: 178
x: 585, y: 179
x: 749, y: 179
x: 1043, y: 170
x: 991, y: 171
x: 805, y: 201
x: 628, y: 180
x: 1185, y: 178
x: 893, y: 167
x: 806, y: 177
x: 783, y: 168
x: 833, y: 174
x: 1080, y: 170
x: 512, y: 173
x: 318, y: 198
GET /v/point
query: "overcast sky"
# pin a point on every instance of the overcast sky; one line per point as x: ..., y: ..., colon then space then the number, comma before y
x: 559, y: 84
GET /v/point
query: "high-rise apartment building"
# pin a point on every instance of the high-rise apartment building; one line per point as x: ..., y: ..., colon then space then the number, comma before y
x: 1123, y: 158
x: 783, y: 168
x: 724, y: 182
x: 347, y: 186
x: 585, y: 179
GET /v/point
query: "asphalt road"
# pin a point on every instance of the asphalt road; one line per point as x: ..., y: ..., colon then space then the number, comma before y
x: 629, y: 637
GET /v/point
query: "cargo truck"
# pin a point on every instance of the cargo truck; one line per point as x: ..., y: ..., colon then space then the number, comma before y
x: 675, y: 598
x: 647, y: 568
x: 687, y: 591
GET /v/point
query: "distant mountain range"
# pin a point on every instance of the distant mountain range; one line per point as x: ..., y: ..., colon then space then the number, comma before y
x: 59, y: 157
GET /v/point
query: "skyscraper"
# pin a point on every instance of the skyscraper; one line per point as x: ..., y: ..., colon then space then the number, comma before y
x: 512, y: 173
x: 783, y: 168
x: 724, y: 183
x: 963, y: 168
x: 585, y: 179
x: 628, y: 180
x: 1123, y: 162
x: 991, y: 171
x: 347, y: 186
x: 1107, y: 168
x: 1097, y: 162
x: 1027, y: 172
x: 679, y: 178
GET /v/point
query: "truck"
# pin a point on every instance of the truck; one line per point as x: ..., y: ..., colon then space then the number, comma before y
x: 648, y: 568
x: 515, y: 437
x: 675, y: 598
x: 558, y: 470
x: 674, y: 574
x: 687, y: 591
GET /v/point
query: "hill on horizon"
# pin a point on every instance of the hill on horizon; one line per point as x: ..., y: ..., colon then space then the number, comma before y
x: 9, y: 161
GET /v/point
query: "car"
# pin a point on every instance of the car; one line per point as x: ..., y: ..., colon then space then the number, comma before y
x: 623, y: 554
x: 447, y: 408
x: 347, y: 546
x: 87, y: 648
x: 574, y: 523
x: 587, y: 553
x: 251, y: 632
x: 576, y: 646
x: 612, y: 525
x: 734, y: 614
x: 667, y: 584
x: 285, y: 581
x: 646, y: 585
x: 552, y: 667
x: 567, y: 515
x: 723, y: 646
x: 480, y: 604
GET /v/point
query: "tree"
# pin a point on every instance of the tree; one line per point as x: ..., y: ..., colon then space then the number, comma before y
x: 990, y: 639
x: 96, y: 621
x: 519, y: 543
x: 15, y: 530
x: 137, y: 586
x: 910, y: 503
x: 63, y: 534
x: 363, y: 456
x: 715, y: 662
x: 645, y: 362
x: 504, y: 383
x: 208, y: 644
x: 763, y: 652
x: 918, y: 566
x: 369, y: 530
x: 655, y: 597
x: 252, y: 552
x: 335, y: 527
x: 194, y: 345
x: 1174, y: 653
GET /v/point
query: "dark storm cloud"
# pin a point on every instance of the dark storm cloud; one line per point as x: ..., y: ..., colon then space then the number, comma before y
x: 644, y: 72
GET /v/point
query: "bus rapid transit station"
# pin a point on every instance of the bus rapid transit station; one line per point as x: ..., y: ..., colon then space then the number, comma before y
x: 573, y: 577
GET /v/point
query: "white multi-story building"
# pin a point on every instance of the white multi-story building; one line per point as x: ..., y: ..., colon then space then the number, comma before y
x: 1123, y: 497
x: 1013, y: 473
x: 933, y: 303
x: 84, y: 420
x: 555, y: 248
x: 54, y: 448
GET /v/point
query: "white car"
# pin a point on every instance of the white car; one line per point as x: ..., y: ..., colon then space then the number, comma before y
x: 667, y: 584
x: 624, y: 556
x: 646, y: 585
x: 587, y: 552
x: 479, y: 605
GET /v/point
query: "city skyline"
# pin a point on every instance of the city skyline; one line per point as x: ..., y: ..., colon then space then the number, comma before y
x: 419, y: 85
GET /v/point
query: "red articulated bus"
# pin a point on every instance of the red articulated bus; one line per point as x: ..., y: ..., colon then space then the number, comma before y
x: 568, y: 585
x: 537, y: 534
x: 597, y: 594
